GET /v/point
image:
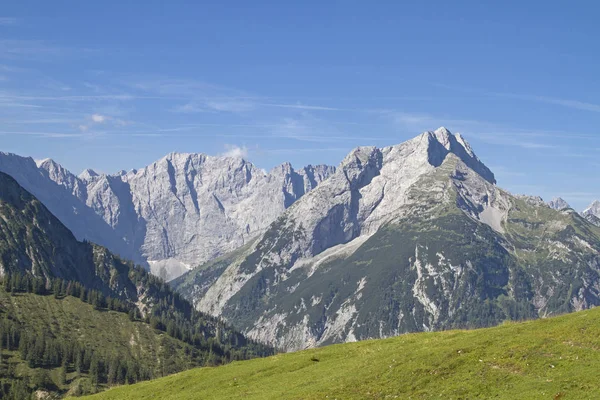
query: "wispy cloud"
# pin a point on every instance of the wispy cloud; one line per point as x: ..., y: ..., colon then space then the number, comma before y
x: 241, y: 105
x: 203, y: 97
x: 235, y: 151
x: 17, y: 104
x: 533, y: 145
x: 578, y: 194
x: 506, y: 172
x: 184, y: 89
x: 7, y: 21
x: 527, y: 189
x: 575, y: 104
x: 580, y: 155
x: 418, y: 122
x: 570, y: 103
x: 11, y: 68
x: 73, y: 98
x: 189, y: 108
x: 98, y: 118
x: 231, y: 106
x: 58, y: 135
x: 29, y: 49
x: 41, y: 121
x: 301, y: 107
x: 509, y: 140
x: 307, y: 150
x: 307, y: 128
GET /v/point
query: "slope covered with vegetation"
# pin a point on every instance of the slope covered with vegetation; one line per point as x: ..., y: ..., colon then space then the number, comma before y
x: 554, y: 358
x: 41, y: 263
x: 64, y: 345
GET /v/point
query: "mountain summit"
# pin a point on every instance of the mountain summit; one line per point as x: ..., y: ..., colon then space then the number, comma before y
x: 558, y: 203
x: 405, y: 238
x: 592, y: 213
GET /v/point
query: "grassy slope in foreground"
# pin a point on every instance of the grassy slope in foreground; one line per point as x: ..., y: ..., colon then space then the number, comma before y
x: 554, y: 358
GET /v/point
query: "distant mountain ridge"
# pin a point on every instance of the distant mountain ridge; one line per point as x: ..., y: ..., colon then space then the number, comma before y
x: 180, y: 211
x: 592, y: 213
x: 558, y: 204
x: 404, y: 238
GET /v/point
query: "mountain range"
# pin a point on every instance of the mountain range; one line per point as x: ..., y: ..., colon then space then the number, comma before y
x: 180, y: 211
x: 412, y: 237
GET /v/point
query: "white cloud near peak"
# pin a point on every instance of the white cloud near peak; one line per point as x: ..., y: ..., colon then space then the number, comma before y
x: 235, y: 151
x: 98, y: 118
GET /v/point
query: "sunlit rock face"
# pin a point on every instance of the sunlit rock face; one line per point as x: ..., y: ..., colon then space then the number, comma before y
x: 411, y: 237
x: 176, y: 213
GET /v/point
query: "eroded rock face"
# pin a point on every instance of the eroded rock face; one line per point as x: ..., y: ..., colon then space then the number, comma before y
x: 196, y: 207
x: 404, y: 238
x: 178, y: 212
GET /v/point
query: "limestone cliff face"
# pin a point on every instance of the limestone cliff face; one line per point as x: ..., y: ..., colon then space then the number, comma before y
x: 193, y: 208
x: 178, y: 212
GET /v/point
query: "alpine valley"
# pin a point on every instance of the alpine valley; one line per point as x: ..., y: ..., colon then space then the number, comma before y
x: 75, y: 318
x: 407, y: 238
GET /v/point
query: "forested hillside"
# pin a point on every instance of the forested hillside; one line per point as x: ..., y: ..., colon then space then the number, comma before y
x: 66, y: 339
x: 76, y: 318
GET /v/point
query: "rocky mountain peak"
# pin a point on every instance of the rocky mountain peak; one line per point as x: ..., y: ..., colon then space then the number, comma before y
x: 184, y: 158
x: 57, y: 172
x: 414, y: 230
x: 443, y: 136
x: 60, y: 175
x: 282, y: 169
x: 594, y: 208
x: 441, y: 142
x: 88, y: 174
x: 558, y: 203
x: 592, y: 213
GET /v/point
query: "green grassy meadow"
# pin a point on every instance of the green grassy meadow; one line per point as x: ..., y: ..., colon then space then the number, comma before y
x: 554, y: 358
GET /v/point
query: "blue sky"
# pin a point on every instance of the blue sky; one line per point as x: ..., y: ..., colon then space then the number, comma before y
x: 115, y: 86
